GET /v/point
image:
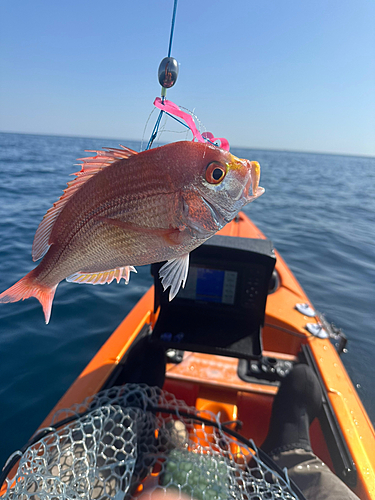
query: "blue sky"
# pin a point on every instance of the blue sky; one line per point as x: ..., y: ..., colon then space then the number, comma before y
x: 290, y: 74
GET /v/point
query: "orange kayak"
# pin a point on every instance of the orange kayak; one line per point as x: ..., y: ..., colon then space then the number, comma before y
x: 230, y: 337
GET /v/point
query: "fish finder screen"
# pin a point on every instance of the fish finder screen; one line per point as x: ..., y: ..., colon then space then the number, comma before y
x: 210, y: 285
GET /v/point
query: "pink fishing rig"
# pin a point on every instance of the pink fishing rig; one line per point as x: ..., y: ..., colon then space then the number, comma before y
x: 173, y: 110
x: 167, y: 75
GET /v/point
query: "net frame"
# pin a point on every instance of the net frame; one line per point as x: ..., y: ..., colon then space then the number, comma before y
x: 133, y: 438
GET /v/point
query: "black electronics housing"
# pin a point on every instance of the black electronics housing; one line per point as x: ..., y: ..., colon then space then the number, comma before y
x: 221, y: 309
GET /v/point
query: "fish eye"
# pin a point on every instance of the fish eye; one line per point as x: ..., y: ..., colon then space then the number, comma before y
x: 215, y: 172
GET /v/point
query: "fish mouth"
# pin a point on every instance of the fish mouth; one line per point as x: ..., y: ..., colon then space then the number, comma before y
x: 252, y: 189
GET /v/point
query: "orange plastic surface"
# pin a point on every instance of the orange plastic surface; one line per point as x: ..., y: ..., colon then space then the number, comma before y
x: 102, y: 364
x: 351, y: 415
x: 284, y: 331
x: 209, y: 381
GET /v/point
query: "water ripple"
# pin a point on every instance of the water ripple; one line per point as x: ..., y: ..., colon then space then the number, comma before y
x: 318, y: 210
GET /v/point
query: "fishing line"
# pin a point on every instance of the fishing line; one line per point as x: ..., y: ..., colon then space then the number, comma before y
x: 167, y: 75
x: 177, y: 120
x: 172, y: 27
x: 145, y: 127
x: 155, y: 130
x: 163, y: 92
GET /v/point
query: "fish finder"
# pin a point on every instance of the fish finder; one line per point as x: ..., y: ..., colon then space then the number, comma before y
x: 221, y: 309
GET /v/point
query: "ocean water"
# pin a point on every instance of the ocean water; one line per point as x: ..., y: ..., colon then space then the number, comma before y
x: 319, y: 210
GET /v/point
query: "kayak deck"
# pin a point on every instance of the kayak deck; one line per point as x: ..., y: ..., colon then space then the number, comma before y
x: 212, y: 382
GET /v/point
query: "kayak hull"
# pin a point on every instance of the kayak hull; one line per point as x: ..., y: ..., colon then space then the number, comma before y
x: 211, y: 382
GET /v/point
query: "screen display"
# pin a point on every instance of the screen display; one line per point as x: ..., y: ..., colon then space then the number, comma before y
x: 210, y: 285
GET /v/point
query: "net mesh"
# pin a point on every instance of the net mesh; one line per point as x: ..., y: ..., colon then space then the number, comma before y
x: 133, y: 440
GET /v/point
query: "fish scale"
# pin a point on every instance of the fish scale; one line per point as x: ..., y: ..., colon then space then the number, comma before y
x: 126, y: 209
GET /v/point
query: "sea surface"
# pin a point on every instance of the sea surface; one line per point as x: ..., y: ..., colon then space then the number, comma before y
x: 319, y: 211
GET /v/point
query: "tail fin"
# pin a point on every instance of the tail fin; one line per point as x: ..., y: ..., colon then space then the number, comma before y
x: 27, y: 287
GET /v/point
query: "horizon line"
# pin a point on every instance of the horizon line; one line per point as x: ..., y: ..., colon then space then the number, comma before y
x: 276, y: 150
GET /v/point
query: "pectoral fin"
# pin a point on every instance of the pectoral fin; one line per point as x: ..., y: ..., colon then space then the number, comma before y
x: 174, y: 274
x: 103, y: 277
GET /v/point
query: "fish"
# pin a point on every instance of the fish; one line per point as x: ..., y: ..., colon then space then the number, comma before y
x: 125, y: 209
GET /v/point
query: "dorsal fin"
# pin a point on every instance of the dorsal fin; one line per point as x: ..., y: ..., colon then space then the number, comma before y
x: 90, y: 166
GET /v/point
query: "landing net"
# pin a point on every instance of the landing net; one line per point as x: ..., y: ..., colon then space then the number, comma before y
x: 131, y: 441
